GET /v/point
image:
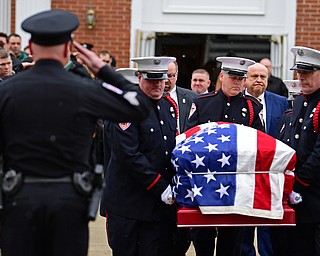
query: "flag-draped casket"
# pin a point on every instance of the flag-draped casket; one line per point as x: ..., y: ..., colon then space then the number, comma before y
x: 225, y: 168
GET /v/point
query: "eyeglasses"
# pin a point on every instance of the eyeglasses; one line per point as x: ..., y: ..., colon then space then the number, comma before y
x: 172, y: 75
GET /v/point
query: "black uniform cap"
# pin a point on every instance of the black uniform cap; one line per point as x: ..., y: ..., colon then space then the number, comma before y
x: 51, y: 27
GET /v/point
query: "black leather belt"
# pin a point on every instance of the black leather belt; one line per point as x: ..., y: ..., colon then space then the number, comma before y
x: 33, y: 179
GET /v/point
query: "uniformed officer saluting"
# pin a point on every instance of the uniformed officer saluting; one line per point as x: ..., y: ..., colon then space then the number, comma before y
x: 228, y: 104
x: 141, y: 219
x: 48, y: 118
x: 304, y: 138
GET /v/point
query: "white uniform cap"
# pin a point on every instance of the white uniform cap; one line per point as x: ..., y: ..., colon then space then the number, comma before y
x: 129, y: 73
x: 235, y: 66
x: 306, y: 59
x: 153, y: 68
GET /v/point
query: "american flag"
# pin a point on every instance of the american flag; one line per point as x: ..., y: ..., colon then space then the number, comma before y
x: 225, y: 168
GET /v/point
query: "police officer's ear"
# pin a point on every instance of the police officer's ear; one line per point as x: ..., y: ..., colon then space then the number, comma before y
x: 221, y: 76
x: 67, y: 47
x: 30, y: 47
x: 139, y: 75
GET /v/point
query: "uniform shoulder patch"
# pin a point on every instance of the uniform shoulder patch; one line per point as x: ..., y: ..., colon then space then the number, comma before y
x: 124, y: 126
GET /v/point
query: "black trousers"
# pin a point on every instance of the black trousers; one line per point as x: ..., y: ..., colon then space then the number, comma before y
x: 45, y: 219
x: 130, y: 237
x: 204, y: 240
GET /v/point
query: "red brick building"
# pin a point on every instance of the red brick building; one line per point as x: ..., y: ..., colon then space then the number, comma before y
x: 114, y: 28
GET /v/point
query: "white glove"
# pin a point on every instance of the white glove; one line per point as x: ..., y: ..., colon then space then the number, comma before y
x: 167, y: 196
x: 295, y: 198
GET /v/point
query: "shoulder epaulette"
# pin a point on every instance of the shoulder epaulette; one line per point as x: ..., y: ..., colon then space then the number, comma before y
x: 315, y: 119
x: 209, y: 94
x: 254, y: 100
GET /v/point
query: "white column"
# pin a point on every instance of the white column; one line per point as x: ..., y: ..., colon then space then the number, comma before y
x: 5, y: 17
x: 24, y: 9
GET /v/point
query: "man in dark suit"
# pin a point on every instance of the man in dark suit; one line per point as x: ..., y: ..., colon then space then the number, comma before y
x: 183, y: 97
x: 273, y: 107
x: 275, y: 84
x: 48, y: 121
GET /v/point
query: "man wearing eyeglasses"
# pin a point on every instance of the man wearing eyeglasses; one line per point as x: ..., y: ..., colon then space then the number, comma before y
x: 183, y: 97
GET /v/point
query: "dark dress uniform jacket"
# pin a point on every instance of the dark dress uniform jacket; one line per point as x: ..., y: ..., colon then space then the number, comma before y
x: 185, y: 100
x: 48, y: 117
x: 307, y: 144
x: 216, y: 106
x: 140, y: 167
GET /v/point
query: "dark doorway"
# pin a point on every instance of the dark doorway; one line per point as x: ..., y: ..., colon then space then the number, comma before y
x: 188, y: 50
x: 200, y: 51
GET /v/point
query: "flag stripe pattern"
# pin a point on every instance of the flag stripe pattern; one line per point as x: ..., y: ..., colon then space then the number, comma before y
x: 225, y: 168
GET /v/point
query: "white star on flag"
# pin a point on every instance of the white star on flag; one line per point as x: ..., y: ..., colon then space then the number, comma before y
x: 190, y: 194
x: 210, y: 176
x: 196, y: 191
x: 222, y: 190
x: 224, y: 138
x: 185, y: 148
x: 177, y: 182
x: 198, y: 161
x: 212, y: 131
x: 224, y: 160
x: 189, y: 174
x: 175, y: 166
x: 211, y: 147
x: 198, y: 139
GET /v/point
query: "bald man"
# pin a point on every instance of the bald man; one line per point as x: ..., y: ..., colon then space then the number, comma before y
x: 275, y: 84
x: 273, y: 107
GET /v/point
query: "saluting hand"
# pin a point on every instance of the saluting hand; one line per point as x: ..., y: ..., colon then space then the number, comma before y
x: 90, y: 59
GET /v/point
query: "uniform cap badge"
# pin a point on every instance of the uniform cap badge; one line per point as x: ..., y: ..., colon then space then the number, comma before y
x: 300, y: 52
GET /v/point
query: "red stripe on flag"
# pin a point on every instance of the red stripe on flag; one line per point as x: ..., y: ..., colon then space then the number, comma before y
x: 291, y: 165
x: 263, y: 163
x: 192, y: 131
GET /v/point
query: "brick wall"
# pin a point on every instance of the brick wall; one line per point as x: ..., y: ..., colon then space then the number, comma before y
x: 112, y: 30
x: 307, y: 27
x: 13, y: 16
